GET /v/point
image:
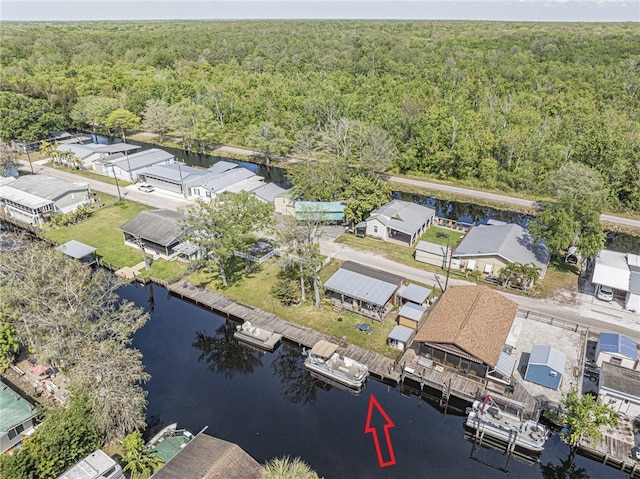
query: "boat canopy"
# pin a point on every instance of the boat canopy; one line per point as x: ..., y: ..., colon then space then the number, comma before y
x: 324, y: 348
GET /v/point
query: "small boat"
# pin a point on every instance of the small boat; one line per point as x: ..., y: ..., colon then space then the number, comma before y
x: 168, y: 442
x: 255, y: 336
x: 324, y: 360
x: 485, y: 418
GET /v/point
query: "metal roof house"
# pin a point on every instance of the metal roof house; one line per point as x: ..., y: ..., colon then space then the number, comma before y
x: 91, y: 152
x: 207, y: 457
x: 213, y: 183
x: 366, y: 291
x: 17, y: 418
x: 172, y: 177
x: 158, y: 230
x: 129, y: 167
x: 617, y: 349
x: 490, y: 248
x: 546, y: 366
x: 327, y: 211
x: 468, y: 329
x: 621, y: 272
x: 398, y: 221
x: 620, y: 388
x: 97, y: 465
x: 268, y: 192
x: 34, y: 199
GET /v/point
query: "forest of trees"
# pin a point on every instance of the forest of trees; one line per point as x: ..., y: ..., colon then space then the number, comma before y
x: 495, y: 105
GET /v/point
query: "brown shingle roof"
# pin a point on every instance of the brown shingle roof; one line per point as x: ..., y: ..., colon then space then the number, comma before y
x: 474, y: 318
x: 208, y: 457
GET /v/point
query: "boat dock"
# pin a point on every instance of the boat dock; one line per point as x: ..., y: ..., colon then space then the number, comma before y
x: 613, y: 451
x: 379, y: 366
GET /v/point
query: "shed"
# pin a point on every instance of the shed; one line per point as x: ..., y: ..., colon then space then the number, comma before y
x: 546, y: 366
x: 414, y: 293
x: 410, y: 315
x: 79, y: 251
x: 432, y: 253
x: 616, y: 349
x: 399, y: 337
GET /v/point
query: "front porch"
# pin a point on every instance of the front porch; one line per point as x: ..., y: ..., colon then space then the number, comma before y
x: 368, y: 310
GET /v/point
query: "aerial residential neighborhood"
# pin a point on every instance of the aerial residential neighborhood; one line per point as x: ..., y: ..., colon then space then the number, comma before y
x: 230, y: 259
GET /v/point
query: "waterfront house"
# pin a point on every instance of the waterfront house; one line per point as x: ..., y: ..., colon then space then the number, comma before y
x: 80, y: 251
x: 432, y: 253
x: 413, y: 293
x: 34, y: 199
x: 128, y: 167
x: 366, y: 291
x: 546, y: 366
x: 207, y: 457
x: 171, y: 177
x: 410, y: 315
x: 210, y: 185
x: 17, y: 418
x: 489, y: 248
x: 87, y: 154
x: 619, y: 387
x: 467, y: 329
x: 398, y: 221
x: 157, y: 230
x: 325, y: 211
x: 617, y: 349
x: 620, y: 272
x: 268, y: 192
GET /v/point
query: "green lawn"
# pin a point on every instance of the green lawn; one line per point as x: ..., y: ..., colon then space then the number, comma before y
x: 101, y: 232
x: 165, y: 270
x: 254, y: 289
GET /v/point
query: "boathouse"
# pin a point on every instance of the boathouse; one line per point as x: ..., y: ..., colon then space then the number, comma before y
x: 546, y: 366
x: 363, y: 290
x: 209, y: 457
x: 467, y: 329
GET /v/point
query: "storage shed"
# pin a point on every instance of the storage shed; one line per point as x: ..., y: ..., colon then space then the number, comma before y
x: 413, y: 293
x: 399, y: 337
x: 546, y: 366
x: 410, y: 315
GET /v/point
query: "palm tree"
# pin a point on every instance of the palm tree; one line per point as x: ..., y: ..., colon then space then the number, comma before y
x: 287, y: 468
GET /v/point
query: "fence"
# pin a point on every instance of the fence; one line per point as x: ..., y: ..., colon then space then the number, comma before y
x: 544, y: 318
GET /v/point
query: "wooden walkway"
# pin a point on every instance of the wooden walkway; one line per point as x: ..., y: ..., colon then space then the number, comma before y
x: 379, y: 366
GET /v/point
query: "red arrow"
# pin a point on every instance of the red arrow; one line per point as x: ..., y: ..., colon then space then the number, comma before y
x: 368, y: 428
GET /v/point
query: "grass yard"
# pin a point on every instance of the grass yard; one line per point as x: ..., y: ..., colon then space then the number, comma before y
x: 101, y: 232
x: 165, y: 270
x: 90, y: 174
x: 254, y: 289
x: 560, y: 275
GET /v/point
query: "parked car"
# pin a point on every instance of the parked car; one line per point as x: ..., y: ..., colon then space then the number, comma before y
x: 604, y: 293
x: 146, y: 187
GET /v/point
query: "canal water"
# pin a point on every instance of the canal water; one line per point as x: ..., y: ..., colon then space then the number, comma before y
x: 270, y: 406
x: 462, y: 212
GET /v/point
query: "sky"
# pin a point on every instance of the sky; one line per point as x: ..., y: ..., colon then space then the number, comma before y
x: 508, y: 10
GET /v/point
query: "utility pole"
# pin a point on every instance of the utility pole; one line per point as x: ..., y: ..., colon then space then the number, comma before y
x: 116, y: 178
x: 449, y: 254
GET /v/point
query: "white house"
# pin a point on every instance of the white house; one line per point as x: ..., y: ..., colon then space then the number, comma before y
x: 398, y: 221
x: 620, y: 389
x: 129, y: 167
x: 34, y: 199
x: 91, y: 152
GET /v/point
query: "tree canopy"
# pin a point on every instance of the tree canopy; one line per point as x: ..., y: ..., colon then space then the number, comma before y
x: 584, y: 417
x: 498, y: 105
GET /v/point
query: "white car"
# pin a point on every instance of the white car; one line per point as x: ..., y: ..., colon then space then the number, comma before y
x: 146, y: 187
x: 604, y: 293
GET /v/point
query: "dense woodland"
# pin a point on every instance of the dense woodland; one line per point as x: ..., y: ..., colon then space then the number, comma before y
x: 495, y: 105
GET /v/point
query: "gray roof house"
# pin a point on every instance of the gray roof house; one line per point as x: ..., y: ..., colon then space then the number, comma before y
x: 620, y: 388
x: 129, y: 167
x: 207, y: 457
x: 398, y: 221
x: 366, y: 291
x: 490, y: 248
x: 268, y: 192
x: 157, y: 229
x: 617, y: 349
x: 210, y: 185
x: 34, y: 199
x: 91, y: 152
x: 172, y: 177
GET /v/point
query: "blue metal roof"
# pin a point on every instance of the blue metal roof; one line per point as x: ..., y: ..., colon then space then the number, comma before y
x: 617, y: 343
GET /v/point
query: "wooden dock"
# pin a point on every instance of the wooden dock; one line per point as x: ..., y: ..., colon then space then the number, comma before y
x: 379, y: 366
x: 612, y: 451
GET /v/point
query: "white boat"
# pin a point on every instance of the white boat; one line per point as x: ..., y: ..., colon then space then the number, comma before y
x: 485, y: 418
x: 324, y: 360
x: 256, y: 336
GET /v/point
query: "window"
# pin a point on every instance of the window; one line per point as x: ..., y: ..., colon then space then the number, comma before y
x: 375, y: 229
x: 616, y: 361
